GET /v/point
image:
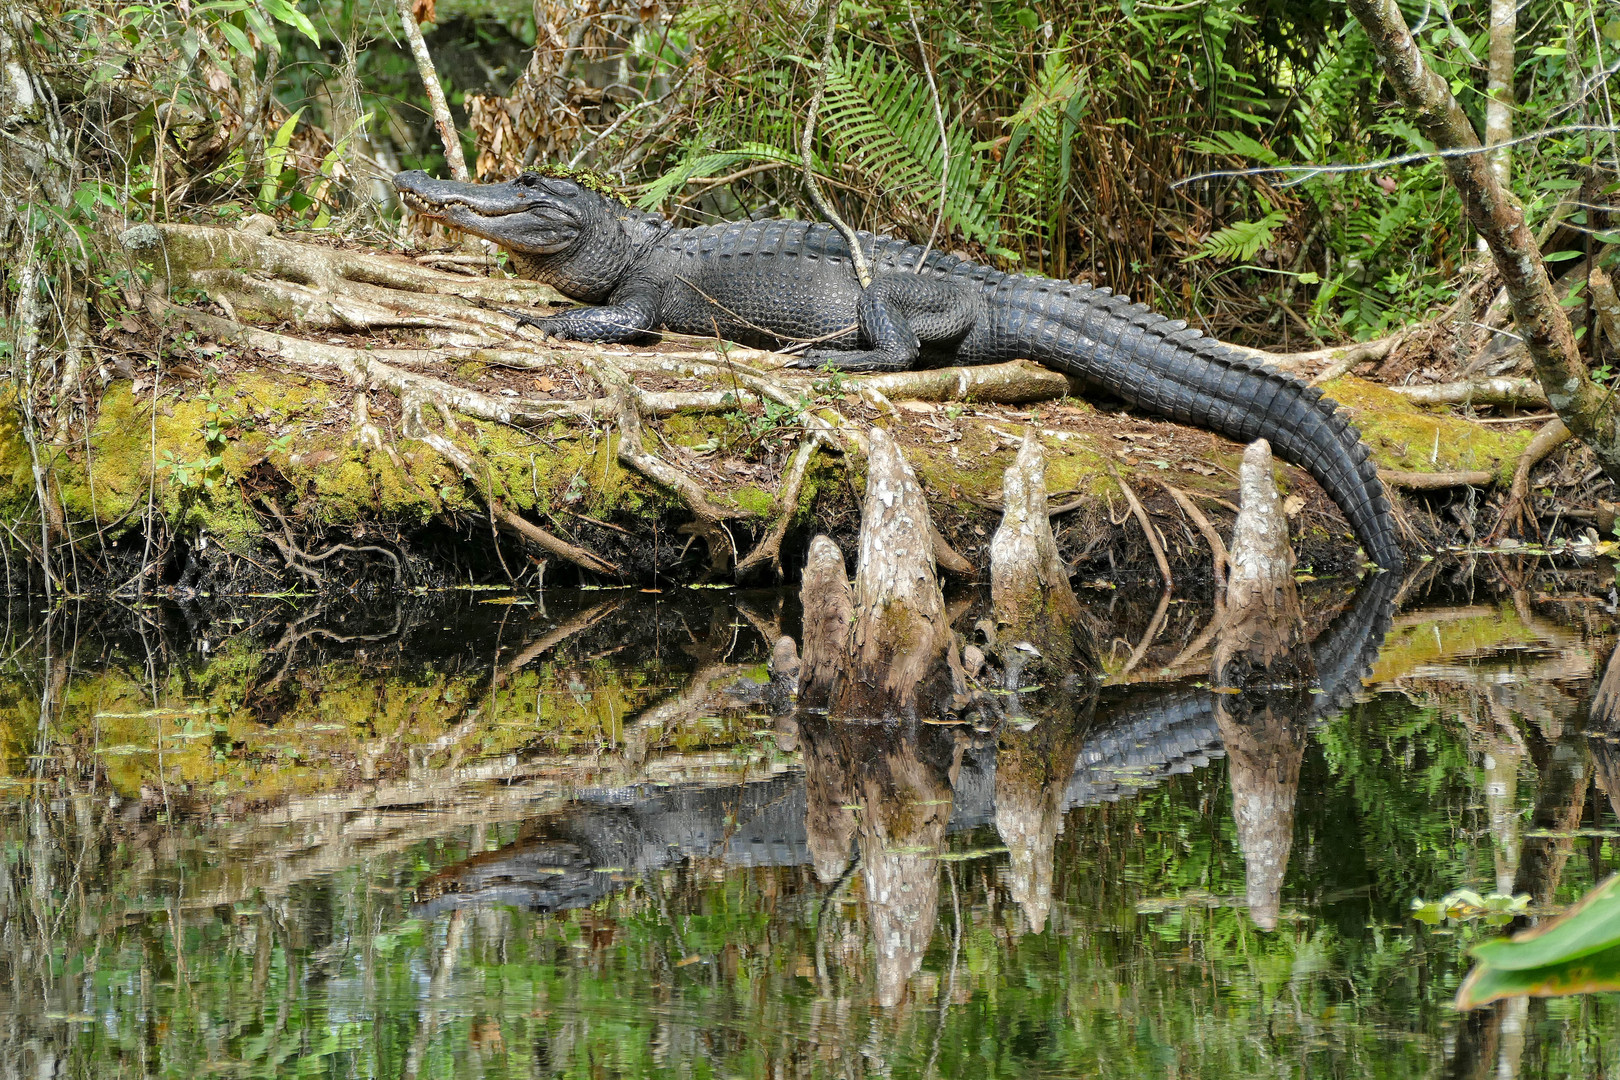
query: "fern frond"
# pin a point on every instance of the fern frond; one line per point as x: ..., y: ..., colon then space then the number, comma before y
x: 881, y: 120
x: 1240, y: 242
x: 698, y: 164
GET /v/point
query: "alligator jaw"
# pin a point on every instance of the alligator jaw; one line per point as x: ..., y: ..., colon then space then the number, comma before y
x: 520, y: 215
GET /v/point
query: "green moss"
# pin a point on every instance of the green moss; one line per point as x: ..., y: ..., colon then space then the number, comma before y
x: 1403, y: 436
x: 753, y: 501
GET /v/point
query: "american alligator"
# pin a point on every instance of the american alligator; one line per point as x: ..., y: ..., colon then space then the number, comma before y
x: 775, y: 283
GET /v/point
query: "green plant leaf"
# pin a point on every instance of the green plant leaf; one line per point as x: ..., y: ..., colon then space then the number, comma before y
x: 1590, y: 926
x: 1590, y: 974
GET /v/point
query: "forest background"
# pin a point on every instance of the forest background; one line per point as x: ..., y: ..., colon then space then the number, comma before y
x: 1240, y: 164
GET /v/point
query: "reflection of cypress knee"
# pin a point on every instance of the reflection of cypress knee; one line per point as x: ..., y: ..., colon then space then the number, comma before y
x: 1032, y: 772
x: 1605, y: 720
x: 1264, y: 752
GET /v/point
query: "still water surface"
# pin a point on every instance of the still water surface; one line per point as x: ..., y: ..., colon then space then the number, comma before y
x: 474, y: 839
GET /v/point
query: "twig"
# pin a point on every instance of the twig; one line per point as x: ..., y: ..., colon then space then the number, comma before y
x: 863, y: 269
x: 1301, y: 173
x: 944, y: 136
x: 435, y: 92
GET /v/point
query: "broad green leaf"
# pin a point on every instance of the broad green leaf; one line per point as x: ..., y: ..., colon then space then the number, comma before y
x: 284, y: 12
x: 1591, y: 973
x: 1590, y: 926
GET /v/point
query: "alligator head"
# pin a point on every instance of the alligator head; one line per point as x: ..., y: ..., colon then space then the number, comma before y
x: 532, y: 215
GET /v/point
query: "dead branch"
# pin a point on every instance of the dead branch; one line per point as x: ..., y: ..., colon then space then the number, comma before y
x: 1499, y: 391
x: 1015, y: 383
x: 1436, y: 481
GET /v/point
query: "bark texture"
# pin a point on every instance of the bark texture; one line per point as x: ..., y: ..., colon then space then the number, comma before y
x: 1029, y: 583
x: 901, y: 632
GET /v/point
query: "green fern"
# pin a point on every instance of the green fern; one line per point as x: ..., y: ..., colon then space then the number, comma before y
x: 699, y: 164
x: 1240, y: 242
x: 1039, y: 155
x: 1236, y: 144
x: 880, y: 119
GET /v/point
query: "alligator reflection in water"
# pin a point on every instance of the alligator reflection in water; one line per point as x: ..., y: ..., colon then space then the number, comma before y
x: 893, y: 791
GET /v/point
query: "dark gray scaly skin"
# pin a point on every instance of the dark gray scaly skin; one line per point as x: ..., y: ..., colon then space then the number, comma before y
x: 775, y: 283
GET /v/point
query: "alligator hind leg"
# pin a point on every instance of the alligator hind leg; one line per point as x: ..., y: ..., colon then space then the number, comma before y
x: 899, y: 312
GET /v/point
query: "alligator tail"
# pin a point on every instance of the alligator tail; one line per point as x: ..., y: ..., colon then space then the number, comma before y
x: 1163, y: 366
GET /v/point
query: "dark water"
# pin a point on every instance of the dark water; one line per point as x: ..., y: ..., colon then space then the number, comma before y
x: 462, y: 838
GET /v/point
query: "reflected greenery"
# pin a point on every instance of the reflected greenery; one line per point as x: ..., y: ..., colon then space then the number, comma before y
x: 369, y: 858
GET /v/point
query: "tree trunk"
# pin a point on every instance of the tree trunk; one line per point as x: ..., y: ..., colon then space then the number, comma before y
x: 1584, y: 405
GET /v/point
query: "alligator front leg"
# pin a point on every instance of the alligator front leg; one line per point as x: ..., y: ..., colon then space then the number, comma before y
x: 630, y: 319
x: 899, y: 312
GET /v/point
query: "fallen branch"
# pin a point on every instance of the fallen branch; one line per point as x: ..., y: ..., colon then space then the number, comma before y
x: 1497, y: 391
x: 1015, y: 383
x: 1436, y: 481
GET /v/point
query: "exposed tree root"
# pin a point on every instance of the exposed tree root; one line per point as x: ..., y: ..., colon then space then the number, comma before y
x: 1152, y: 535
x: 769, y: 549
x: 513, y: 523
x: 1217, y: 549
x: 1017, y: 383
x: 1343, y: 357
x: 633, y: 452
x: 302, y: 562
x: 1548, y: 438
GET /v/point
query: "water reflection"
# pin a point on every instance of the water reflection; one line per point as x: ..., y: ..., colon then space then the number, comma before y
x: 592, y: 842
